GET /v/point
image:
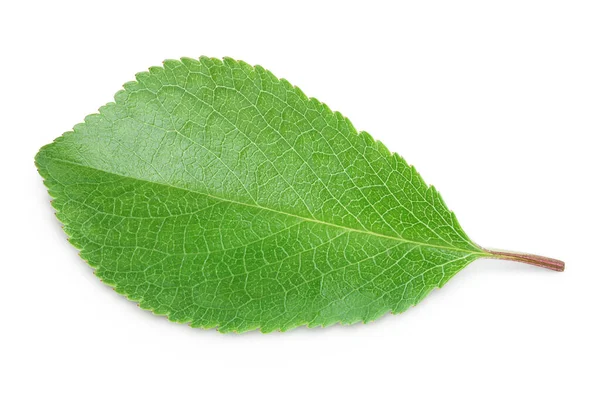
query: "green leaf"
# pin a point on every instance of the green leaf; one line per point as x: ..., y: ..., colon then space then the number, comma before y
x: 218, y: 195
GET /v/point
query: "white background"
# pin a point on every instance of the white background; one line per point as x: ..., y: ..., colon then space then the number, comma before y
x: 496, y: 103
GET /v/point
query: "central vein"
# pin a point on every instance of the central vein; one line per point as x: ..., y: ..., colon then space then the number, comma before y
x: 259, y: 207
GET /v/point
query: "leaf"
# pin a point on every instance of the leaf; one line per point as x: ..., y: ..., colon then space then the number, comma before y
x: 220, y: 196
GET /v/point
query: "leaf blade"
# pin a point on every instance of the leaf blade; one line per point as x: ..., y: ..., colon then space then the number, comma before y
x: 290, y: 178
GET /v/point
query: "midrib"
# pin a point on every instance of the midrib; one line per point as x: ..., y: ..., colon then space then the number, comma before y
x: 257, y: 206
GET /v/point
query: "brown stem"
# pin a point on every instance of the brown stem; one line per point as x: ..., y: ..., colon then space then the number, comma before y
x: 538, y: 261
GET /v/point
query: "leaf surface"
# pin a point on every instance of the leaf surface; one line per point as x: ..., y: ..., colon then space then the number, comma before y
x: 220, y: 196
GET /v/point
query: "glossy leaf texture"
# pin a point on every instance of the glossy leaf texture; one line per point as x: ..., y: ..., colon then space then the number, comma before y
x: 218, y: 195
